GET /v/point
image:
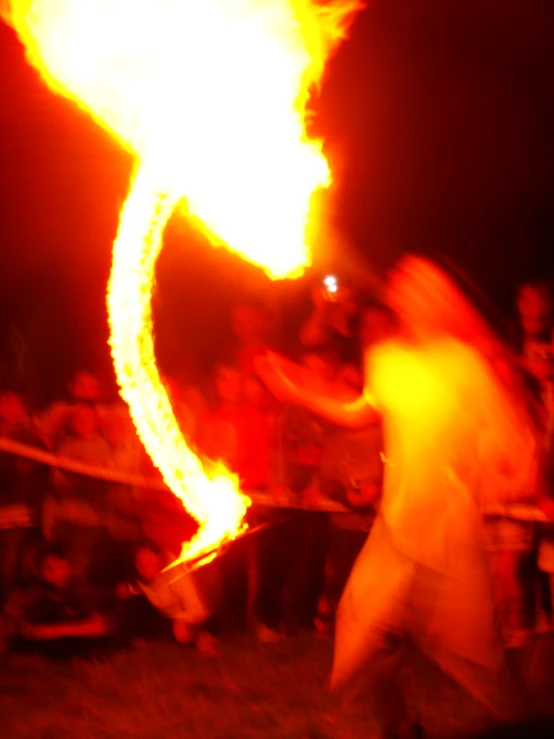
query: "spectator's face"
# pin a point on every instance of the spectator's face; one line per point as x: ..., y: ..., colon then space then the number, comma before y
x: 148, y: 563
x: 228, y: 384
x: 85, y: 386
x: 55, y: 570
x: 85, y: 422
x: 12, y: 408
x: 247, y: 324
x: 535, y: 310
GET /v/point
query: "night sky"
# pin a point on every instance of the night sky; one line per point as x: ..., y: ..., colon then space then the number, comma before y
x: 438, y: 120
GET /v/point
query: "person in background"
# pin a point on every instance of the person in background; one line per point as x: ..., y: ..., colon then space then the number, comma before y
x: 22, y: 487
x: 239, y: 429
x: 55, y: 422
x: 252, y: 330
x: 351, y: 472
x: 332, y: 325
x: 174, y: 593
x: 218, y: 439
x: 536, y: 322
x: 56, y: 604
x: 304, y: 434
x: 74, y: 509
x: 189, y: 407
x: 239, y: 432
x: 121, y: 521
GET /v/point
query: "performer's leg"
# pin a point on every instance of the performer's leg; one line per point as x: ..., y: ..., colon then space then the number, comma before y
x: 372, y: 605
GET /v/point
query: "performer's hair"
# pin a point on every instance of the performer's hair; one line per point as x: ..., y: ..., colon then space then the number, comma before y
x: 456, y: 316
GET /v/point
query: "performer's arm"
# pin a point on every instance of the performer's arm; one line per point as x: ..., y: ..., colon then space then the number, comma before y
x: 292, y: 384
x: 355, y: 414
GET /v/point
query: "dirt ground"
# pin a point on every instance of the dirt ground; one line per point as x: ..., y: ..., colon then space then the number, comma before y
x: 159, y: 690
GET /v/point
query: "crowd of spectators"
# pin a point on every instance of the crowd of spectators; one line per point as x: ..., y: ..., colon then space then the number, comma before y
x: 76, y: 549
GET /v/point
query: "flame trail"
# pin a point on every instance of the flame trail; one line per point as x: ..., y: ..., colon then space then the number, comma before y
x: 211, y: 97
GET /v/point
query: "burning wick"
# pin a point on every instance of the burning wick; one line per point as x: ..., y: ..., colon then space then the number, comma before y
x: 211, y: 98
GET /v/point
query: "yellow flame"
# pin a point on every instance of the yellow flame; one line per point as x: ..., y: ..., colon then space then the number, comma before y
x: 211, y: 96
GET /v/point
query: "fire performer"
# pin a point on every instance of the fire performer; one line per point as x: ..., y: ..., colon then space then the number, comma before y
x: 457, y: 434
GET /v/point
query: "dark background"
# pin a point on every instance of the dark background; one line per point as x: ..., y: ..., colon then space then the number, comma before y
x: 438, y: 118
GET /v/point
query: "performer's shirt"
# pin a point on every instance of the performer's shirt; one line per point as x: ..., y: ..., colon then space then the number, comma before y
x: 452, y: 443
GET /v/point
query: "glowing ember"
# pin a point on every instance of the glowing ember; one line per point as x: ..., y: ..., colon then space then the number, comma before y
x: 211, y: 97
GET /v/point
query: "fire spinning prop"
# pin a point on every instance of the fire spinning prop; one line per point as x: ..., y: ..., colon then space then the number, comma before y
x: 211, y: 98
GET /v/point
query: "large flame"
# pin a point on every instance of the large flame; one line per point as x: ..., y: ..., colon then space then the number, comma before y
x: 211, y: 96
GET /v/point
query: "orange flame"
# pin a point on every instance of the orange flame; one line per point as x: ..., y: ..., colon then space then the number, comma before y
x: 211, y: 97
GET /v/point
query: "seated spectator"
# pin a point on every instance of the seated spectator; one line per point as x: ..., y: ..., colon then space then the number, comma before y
x: 22, y: 485
x: 174, y: 593
x: 56, y: 604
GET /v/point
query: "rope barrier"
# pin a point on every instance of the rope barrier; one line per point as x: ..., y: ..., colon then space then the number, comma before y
x: 524, y: 512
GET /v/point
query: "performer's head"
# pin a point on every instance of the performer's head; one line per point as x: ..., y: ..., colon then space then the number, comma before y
x: 428, y: 303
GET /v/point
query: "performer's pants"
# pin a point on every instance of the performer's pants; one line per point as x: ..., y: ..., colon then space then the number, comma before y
x: 449, y: 617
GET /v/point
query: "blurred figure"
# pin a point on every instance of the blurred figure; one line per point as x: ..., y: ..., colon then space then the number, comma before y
x: 455, y: 438
x: 55, y: 423
x: 218, y: 438
x: 22, y: 487
x: 174, y: 593
x: 240, y: 428
x: 534, y: 305
x: 251, y: 325
x: 536, y: 319
x: 509, y: 538
x: 240, y: 431
x: 121, y: 521
x: 188, y: 405
x: 331, y: 327
x: 73, y: 514
x: 304, y: 433
x: 56, y: 604
x: 351, y: 470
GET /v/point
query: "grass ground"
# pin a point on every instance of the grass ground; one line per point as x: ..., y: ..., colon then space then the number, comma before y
x: 158, y: 690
